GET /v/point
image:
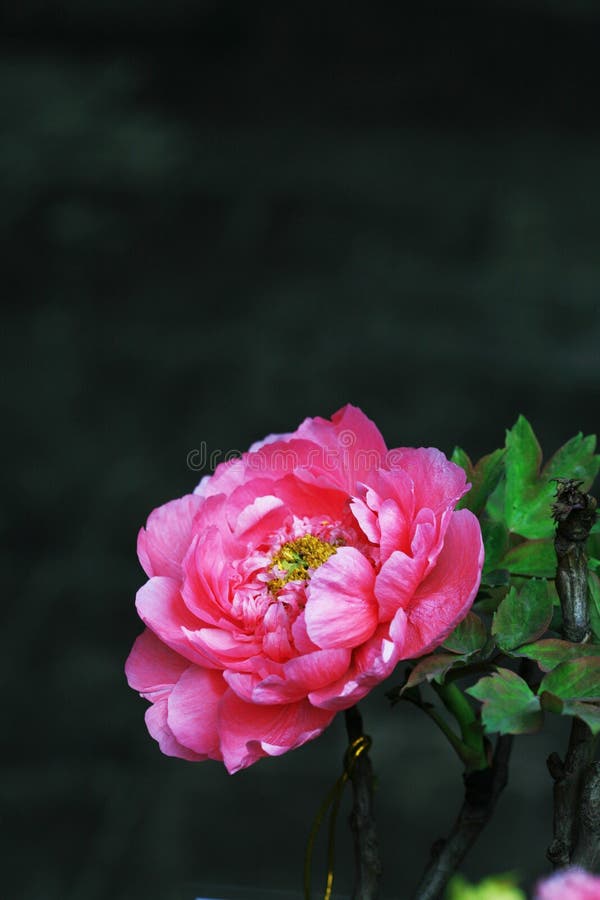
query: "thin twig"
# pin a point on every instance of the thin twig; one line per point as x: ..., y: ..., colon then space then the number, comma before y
x: 362, y: 821
x: 482, y: 789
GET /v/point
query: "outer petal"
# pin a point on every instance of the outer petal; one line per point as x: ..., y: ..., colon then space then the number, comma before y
x: 447, y: 593
x: 221, y: 648
x: 152, y: 668
x: 298, y: 677
x: 156, y: 722
x: 192, y: 710
x: 249, y: 731
x: 438, y: 483
x: 569, y: 884
x: 341, y: 610
x: 353, y: 447
x: 161, y: 608
x: 166, y: 538
x: 227, y: 476
x: 371, y: 664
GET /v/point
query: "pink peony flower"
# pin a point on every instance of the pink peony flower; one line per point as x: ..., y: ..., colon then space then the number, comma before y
x: 291, y: 582
x: 569, y: 884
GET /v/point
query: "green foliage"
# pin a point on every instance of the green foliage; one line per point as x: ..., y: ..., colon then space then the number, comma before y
x: 517, y: 604
x: 495, y: 541
x: 431, y: 667
x: 534, y: 558
x: 468, y: 637
x: 575, y: 679
x: 498, y: 887
x: 588, y: 712
x: 484, y: 477
x: 522, y: 617
x: 509, y: 704
x: 551, y: 652
x: 524, y: 504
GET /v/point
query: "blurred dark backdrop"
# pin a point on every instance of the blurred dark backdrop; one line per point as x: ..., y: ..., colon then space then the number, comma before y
x: 217, y: 220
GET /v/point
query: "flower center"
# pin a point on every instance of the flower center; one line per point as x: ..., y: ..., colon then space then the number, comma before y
x: 296, y: 559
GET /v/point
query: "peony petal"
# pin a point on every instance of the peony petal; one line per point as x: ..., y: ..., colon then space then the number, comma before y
x: 373, y: 662
x: 352, y: 446
x: 192, y: 710
x: 368, y: 521
x: 152, y: 668
x: 156, y: 723
x: 391, y: 496
x: 249, y: 731
x: 300, y: 676
x: 308, y: 499
x: 444, y: 598
x: 396, y: 583
x: 227, y: 476
x: 242, y: 684
x: 222, y: 647
x: 269, y: 439
x: 161, y: 608
x: 341, y: 610
x: 438, y: 483
x: 398, y: 627
x: 302, y: 642
x: 167, y: 536
x: 207, y: 575
x: 394, y: 528
x: 572, y: 883
x: 262, y: 516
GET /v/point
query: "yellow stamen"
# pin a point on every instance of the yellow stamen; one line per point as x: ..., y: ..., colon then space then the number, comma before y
x: 297, y: 557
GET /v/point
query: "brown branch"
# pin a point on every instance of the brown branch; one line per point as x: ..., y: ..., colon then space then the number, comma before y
x: 574, y: 513
x: 362, y: 822
x: 575, y: 780
x: 587, y: 849
x: 568, y: 777
x: 482, y: 790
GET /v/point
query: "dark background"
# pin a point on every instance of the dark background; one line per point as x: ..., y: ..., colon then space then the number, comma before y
x: 217, y: 220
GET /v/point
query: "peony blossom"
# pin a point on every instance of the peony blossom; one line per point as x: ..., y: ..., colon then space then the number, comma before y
x: 291, y: 582
x: 569, y: 884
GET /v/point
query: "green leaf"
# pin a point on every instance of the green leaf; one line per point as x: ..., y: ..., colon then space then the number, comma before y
x: 468, y: 636
x: 536, y: 558
x: 496, y: 578
x: 462, y: 459
x: 497, y: 887
x: 430, y: 668
x: 494, y: 507
x: 522, y: 617
x: 575, y: 459
x: 551, y: 652
x: 484, y: 477
x: 495, y: 542
x: 576, y: 679
x: 509, y: 704
x: 588, y: 712
x: 523, y: 460
x: 529, y: 492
